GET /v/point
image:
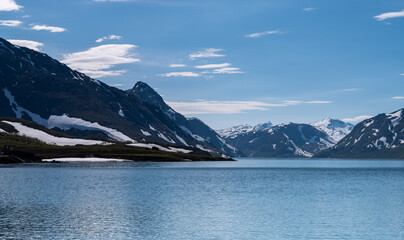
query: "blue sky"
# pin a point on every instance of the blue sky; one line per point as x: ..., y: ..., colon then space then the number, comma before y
x: 230, y: 62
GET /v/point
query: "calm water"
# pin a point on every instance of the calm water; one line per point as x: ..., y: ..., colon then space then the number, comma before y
x: 248, y: 199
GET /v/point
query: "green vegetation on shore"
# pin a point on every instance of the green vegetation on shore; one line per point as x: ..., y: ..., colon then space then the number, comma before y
x: 32, y: 150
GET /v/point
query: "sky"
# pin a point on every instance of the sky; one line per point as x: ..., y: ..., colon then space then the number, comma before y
x: 229, y: 62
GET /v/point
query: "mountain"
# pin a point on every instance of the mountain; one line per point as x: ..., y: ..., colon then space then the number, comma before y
x: 335, y: 128
x: 284, y: 140
x: 378, y: 137
x: 38, y: 88
x: 193, y: 126
x: 241, y: 129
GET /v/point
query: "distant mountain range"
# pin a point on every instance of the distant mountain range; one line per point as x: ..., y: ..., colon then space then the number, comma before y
x: 378, y: 137
x: 284, y: 140
x: 36, y: 87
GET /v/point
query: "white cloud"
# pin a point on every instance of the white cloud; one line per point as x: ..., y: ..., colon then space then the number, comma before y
x: 318, y: 102
x: 402, y: 74
x: 207, y: 53
x: 226, y: 70
x: 350, y: 89
x: 109, y: 37
x: 398, y: 97
x: 117, y: 85
x: 9, y: 5
x: 356, y: 119
x: 177, y: 65
x: 207, y: 66
x: 97, y: 61
x: 292, y: 102
x: 389, y: 15
x: 219, y: 107
x: 226, y: 107
x: 48, y: 28
x: 260, y: 34
x: 310, y: 9
x: 10, y: 23
x: 26, y: 43
x: 180, y: 74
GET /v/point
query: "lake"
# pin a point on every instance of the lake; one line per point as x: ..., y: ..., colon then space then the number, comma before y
x: 247, y: 199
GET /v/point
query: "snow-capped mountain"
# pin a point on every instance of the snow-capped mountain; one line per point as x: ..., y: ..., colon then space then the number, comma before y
x: 284, y: 140
x: 38, y: 88
x: 378, y: 137
x: 262, y: 126
x: 232, y: 132
x: 335, y: 128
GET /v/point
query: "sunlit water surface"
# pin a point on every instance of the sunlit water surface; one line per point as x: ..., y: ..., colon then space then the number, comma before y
x: 247, y: 199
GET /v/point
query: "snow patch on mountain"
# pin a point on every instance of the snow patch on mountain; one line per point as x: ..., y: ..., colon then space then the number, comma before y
x: 181, y: 139
x: 18, y: 110
x: 146, y: 133
x: 50, y: 139
x: 395, y: 117
x: 65, y: 122
x: 162, y: 136
x: 200, y: 147
x: 151, y: 145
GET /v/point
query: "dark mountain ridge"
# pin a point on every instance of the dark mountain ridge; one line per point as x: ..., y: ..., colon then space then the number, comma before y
x: 379, y: 137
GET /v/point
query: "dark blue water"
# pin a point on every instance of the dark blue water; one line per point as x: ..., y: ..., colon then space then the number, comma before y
x: 249, y: 199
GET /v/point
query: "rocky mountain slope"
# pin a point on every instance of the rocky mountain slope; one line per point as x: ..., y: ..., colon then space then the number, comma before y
x: 378, y: 137
x: 36, y: 87
x: 285, y: 140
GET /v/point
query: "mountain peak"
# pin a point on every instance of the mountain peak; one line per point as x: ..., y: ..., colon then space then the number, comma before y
x: 335, y: 128
x: 147, y: 94
x: 263, y: 126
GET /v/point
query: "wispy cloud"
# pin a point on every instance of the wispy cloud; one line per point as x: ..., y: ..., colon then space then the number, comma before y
x: 48, y: 28
x: 207, y: 66
x: 177, y: 65
x: 402, y: 74
x: 97, y: 61
x: 9, y: 5
x: 227, y: 107
x: 117, y: 85
x: 350, y: 89
x: 356, y: 119
x: 218, y: 107
x: 389, y: 15
x: 109, y: 37
x: 398, y: 97
x: 10, y: 23
x: 261, y: 34
x: 180, y: 74
x: 26, y: 43
x: 207, y: 53
x: 310, y: 9
x: 226, y: 70
x: 318, y: 102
